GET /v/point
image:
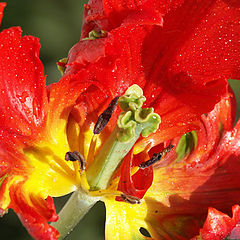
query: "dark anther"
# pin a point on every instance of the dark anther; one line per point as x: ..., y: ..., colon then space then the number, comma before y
x: 105, y: 116
x: 131, y: 199
x: 144, y: 232
x: 156, y: 157
x: 76, y: 156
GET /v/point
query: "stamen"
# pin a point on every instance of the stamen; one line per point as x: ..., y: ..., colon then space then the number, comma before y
x: 131, y: 199
x: 76, y: 156
x: 155, y: 158
x: 105, y: 116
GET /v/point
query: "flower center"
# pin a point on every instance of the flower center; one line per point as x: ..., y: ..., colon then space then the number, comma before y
x: 132, y: 122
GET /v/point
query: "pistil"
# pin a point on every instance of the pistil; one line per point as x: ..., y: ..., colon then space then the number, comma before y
x: 132, y: 122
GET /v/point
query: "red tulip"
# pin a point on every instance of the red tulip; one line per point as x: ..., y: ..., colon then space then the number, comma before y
x: 181, y: 54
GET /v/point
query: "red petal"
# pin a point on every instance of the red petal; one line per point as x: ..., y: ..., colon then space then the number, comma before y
x: 11, y: 162
x: 2, y: 6
x: 135, y: 185
x: 180, y: 71
x: 107, y: 15
x: 236, y: 213
x: 213, y: 137
x: 23, y: 91
x: 94, y: 17
x: 34, y: 213
x: 189, y: 41
x: 212, y: 51
x: 82, y: 54
x: 217, y: 226
x: 235, y: 233
x: 134, y: 12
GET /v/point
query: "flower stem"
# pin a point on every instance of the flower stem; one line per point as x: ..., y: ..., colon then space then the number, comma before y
x: 73, y: 211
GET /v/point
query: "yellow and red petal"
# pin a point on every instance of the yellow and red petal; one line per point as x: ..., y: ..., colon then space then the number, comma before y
x: 126, y: 221
x: 34, y: 212
x: 40, y: 165
x: 33, y: 139
x: 123, y: 221
x: 62, y: 98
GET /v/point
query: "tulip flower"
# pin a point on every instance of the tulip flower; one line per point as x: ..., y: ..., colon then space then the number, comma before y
x: 111, y: 129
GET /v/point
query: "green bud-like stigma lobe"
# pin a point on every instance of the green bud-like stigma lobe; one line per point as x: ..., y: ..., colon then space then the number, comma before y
x: 127, y: 127
x: 148, y: 120
x: 133, y: 99
x: 131, y: 103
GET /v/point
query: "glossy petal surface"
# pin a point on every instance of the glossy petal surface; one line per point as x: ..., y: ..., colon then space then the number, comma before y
x: 123, y: 221
x: 219, y: 225
x: 108, y: 15
x: 35, y: 213
x: 23, y: 90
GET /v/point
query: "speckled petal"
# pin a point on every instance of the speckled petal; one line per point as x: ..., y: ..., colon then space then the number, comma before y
x: 23, y: 98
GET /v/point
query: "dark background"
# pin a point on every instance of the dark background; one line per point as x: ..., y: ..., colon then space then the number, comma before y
x: 57, y: 23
